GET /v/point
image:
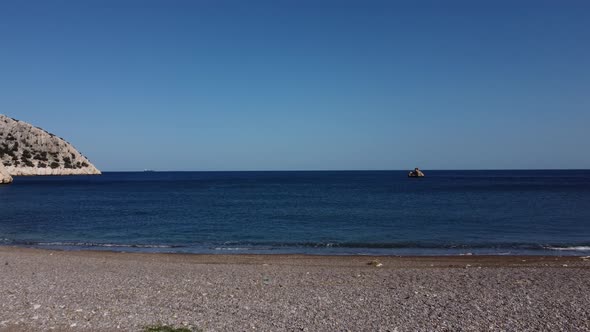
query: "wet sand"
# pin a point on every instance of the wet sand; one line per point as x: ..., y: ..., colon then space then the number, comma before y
x: 44, y: 290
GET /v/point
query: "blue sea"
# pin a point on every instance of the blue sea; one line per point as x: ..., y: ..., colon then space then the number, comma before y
x: 316, y: 212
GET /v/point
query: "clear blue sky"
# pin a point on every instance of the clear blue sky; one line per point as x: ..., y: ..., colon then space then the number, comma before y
x: 289, y: 85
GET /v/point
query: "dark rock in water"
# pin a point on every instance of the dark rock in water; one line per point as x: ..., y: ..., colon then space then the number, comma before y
x: 416, y: 173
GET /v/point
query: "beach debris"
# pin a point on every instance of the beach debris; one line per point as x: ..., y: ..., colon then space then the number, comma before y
x: 36, y: 306
x: 165, y: 328
x: 585, y: 258
x: 375, y: 263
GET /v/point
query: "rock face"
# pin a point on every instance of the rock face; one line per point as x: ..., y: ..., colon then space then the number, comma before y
x: 416, y: 173
x: 4, y: 175
x: 28, y: 150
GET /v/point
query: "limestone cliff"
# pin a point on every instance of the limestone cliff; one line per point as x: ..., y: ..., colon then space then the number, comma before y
x: 4, y: 176
x: 28, y: 150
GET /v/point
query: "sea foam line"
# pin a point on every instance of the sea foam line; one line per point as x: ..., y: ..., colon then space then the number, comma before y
x: 574, y: 248
x: 92, y: 244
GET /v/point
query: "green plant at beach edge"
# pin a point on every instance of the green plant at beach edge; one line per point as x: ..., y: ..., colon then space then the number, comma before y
x: 166, y: 328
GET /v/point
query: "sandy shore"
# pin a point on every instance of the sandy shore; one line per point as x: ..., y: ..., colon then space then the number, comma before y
x: 100, y: 291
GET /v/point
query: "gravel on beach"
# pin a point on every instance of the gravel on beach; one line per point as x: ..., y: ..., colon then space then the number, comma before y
x: 45, y: 290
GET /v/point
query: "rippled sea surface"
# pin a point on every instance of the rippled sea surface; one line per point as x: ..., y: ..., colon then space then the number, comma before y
x: 359, y: 212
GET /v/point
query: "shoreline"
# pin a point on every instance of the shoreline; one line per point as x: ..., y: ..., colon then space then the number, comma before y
x: 546, y: 251
x: 254, y: 257
x: 54, y: 290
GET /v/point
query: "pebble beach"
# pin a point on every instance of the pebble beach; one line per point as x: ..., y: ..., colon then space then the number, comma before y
x: 45, y: 290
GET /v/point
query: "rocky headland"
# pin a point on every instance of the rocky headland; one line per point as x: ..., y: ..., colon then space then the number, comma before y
x: 26, y: 150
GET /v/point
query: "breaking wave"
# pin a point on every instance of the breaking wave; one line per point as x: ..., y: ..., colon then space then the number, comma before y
x: 93, y: 244
x: 573, y: 248
x: 313, y: 247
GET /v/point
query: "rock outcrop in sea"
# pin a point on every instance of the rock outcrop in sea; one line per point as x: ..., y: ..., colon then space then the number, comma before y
x: 26, y: 150
x: 416, y: 173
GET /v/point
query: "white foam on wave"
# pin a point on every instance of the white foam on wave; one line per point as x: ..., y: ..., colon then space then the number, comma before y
x: 91, y: 244
x: 231, y: 249
x: 575, y: 248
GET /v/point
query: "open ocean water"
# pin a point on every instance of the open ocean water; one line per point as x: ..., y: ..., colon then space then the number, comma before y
x: 316, y: 212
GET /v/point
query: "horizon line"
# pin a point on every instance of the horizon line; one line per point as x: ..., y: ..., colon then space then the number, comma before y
x: 353, y: 170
